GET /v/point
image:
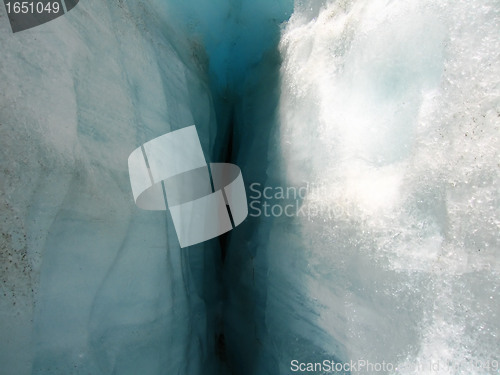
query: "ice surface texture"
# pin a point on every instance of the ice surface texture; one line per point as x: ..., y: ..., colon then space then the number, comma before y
x: 90, y: 283
x: 390, y: 111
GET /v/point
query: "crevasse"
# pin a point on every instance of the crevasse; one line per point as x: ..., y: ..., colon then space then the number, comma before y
x: 386, y: 112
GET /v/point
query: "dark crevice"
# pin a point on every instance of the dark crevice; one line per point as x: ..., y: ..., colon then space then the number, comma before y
x: 226, y: 154
x: 244, y: 91
x: 250, y: 124
x: 225, y: 149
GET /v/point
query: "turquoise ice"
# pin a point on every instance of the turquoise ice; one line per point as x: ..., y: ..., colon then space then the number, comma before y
x: 391, y: 109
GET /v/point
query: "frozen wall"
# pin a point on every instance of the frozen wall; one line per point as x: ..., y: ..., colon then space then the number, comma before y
x: 90, y: 283
x: 389, y: 113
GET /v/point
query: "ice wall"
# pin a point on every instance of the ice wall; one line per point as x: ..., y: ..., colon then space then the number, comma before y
x: 390, y: 113
x: 90, y: 283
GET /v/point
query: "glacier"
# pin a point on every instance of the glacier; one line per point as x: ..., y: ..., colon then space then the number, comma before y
x: 386, y: 114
